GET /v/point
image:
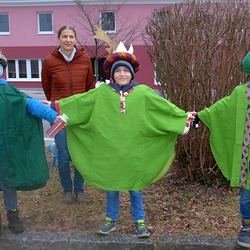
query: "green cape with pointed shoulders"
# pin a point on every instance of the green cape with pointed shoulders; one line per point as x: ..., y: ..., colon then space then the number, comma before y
x: 122, y: 152
x: 226, y: 120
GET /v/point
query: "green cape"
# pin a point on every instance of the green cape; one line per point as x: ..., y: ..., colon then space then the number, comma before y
x: 122, y: 152
x: 22, y: 152
x: 226, y: 120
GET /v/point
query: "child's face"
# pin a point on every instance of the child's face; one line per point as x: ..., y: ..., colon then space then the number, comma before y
x: 122, y: 76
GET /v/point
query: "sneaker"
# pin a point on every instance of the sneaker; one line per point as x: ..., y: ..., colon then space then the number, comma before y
x: 68, y: 198
x: 244, y: 238
x: 79, y: 198
x: 15, y: 224
x: 109, y: 226
x: 141, y: 229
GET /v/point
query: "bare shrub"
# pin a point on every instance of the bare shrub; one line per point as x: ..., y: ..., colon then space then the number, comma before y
x: 197, y: 49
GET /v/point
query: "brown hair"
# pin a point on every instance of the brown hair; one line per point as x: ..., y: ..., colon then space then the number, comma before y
x: 65, y: 27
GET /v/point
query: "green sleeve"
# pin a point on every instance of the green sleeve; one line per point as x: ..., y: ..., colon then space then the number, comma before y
x: 226, y: 120
x: 79, y: 107
x: 164, y: 115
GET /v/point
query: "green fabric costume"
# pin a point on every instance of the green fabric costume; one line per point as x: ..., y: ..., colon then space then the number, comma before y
x: 226, y: 120
x: 21, y: 143
x: 122, y: 152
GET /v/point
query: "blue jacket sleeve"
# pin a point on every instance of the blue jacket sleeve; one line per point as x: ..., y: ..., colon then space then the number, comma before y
x: 40, y: 110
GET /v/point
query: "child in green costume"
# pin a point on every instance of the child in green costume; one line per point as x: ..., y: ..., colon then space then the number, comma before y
x: 228, y: 121
x: 23, y: 163
x: 124, y: 138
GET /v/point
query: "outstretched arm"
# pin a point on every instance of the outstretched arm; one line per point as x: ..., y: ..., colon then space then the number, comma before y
x: 41, y: 110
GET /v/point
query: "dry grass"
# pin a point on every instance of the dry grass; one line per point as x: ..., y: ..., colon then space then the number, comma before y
x: 171, y: 208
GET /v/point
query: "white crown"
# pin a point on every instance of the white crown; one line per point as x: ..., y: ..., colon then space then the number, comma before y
x: 121, y: 48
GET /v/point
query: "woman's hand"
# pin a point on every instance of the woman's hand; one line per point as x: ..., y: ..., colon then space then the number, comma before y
x: 48, y: 103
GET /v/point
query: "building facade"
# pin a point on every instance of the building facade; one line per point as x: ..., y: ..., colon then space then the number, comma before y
x: 28, y: 32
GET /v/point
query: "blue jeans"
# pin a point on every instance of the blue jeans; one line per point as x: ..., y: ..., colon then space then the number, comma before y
x: 9, y: 194
x: 245, y: 204
x: 64, y: 166
x: 113, y: 205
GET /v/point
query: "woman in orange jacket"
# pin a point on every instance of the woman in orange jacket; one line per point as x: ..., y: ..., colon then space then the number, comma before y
x: 67, y: 71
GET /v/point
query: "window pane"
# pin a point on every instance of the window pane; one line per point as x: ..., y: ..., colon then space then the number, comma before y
x: 11, y: 69
x: 4, y: 23
x: 34, y: 69
x: 22, y: 69
x: 45, y: 22
x: 108, y: 21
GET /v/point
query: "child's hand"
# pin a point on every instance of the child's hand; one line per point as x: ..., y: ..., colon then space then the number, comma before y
x: 59, y: 118
x: 191, y: 116
x: 196, y: 122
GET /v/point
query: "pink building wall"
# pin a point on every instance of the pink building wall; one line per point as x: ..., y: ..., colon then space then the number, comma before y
x: 25, y: 42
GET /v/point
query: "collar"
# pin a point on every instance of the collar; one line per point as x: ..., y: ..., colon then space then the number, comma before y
x: 68, y: 58
x: 124, y: 88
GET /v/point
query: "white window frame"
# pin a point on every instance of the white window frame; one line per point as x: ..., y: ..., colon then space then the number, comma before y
x: 6, y: 32
x: 28, y: 71
x: 108, y: 11
x: 38, y: 23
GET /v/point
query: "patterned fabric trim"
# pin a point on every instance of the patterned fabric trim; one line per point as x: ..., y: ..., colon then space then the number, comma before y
x: 245, y: 144
x: 123, y: 100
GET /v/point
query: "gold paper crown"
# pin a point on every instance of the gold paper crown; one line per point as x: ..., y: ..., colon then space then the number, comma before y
x: 114, y: 47
x: 117, y: 51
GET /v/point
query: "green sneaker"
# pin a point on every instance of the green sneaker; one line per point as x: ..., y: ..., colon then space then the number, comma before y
x: 141, y: 229
x: 109, y: 226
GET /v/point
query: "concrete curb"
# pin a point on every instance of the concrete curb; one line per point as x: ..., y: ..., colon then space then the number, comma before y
x: 114, y: 241
x: 70, y: 241
x: 180, y: 242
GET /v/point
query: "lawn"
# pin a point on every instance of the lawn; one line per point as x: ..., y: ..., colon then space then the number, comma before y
x: 171, y: 207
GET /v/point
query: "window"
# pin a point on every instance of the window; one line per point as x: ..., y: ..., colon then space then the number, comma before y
x: 34, y: 66
x: 24, y: 70
x: 108, y: 21
x: 11, y: 69
x: 4, y: 24
x: 45, y: 23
